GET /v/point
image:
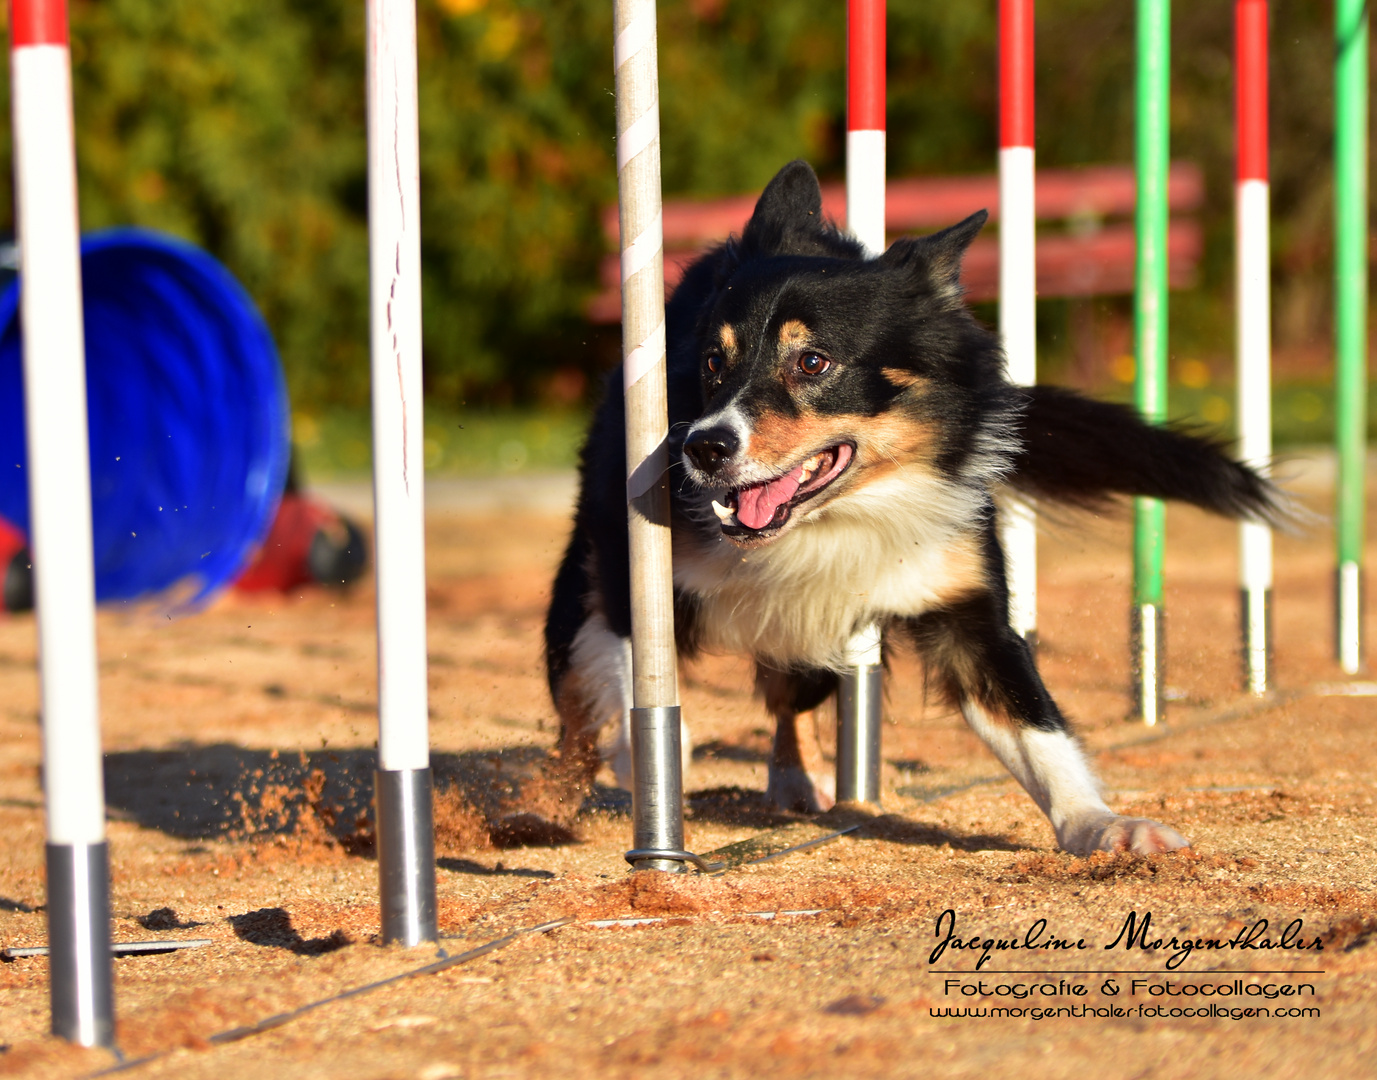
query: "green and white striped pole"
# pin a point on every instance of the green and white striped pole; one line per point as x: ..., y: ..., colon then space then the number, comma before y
x: 1150, y: 329
x: 1350, y: 309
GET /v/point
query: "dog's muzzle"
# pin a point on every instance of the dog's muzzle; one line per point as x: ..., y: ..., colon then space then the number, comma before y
x: 710, y: 449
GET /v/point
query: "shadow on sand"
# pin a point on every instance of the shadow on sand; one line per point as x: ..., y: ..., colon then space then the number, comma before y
x: 496, y: 798
x: 221, y: 790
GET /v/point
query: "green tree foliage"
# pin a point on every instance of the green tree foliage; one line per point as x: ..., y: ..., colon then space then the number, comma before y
x: 239, y: 124
x: 1085, y: 113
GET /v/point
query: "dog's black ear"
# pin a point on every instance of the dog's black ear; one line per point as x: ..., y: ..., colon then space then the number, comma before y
x: 788, y: 217
x: 938, y: 256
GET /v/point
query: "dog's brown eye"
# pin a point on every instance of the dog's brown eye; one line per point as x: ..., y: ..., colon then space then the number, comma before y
x: 813, y: 364
x: 714, y: 364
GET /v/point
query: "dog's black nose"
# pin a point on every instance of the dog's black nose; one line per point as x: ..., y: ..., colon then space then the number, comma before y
x: 709, y: 448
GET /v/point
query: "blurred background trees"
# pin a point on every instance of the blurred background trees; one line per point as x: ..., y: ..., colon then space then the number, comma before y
x: 239, y: 125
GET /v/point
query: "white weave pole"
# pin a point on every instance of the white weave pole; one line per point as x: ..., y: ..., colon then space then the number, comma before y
x: 80, y: 986
x: 406, y: 839
x: 656, y: 755
x: 860, y: 686
x: 1018, y: 282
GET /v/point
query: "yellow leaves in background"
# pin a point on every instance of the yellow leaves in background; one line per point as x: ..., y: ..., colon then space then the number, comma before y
x: 1193, y: 373
x: 503, y: 25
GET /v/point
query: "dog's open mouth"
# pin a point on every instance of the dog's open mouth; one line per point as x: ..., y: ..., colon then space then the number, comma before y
x: 761, y: 509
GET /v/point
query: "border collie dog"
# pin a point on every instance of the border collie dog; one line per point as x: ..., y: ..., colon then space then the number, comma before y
x: 839, y: 428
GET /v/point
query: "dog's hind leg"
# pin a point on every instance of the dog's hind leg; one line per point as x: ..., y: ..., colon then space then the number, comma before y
x: 798, y: 779
x: 987, y: 669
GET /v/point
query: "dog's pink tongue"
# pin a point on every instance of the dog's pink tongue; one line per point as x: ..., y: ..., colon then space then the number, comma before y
x: 756, y: 506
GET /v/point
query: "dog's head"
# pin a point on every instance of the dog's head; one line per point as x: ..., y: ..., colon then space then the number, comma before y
x: 822, y: 370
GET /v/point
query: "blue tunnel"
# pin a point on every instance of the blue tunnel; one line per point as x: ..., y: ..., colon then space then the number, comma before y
x: 189, y: 421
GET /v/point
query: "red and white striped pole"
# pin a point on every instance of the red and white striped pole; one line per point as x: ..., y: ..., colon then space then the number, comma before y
x: 1018, y: 281
x: 60, y: 518
x: 865, y: 122
x: 1252, y: 248
x: 402, y: 783
x: 859, y: 691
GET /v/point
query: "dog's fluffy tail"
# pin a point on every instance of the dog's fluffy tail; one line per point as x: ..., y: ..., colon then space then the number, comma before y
x: 1084, y: 452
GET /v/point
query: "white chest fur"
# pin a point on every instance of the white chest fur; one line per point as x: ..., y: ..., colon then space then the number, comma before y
x: 896, y: 547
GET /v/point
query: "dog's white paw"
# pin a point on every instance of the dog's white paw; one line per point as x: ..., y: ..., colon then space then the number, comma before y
x: 1110, y: 832
x: 791, y: 787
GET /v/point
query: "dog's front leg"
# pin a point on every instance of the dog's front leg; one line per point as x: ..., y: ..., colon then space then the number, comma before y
x: 988, y: 670
x: 593, y: 692
x: 798, y: 780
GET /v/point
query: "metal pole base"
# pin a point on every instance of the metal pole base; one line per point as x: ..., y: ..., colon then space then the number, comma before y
x: 638, y: 855
x: 406, y: 855
x: 859, y: 696
x: 657, y: 789
x: 1148, y: 642
x: 1348, y: 609
x: 1256, y: 607
x: 81, y: 985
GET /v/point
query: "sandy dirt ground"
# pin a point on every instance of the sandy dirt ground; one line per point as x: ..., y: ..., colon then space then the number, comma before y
x: 238, y: 754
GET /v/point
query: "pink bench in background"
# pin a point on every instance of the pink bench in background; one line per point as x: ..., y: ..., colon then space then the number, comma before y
x: 1085, y: 244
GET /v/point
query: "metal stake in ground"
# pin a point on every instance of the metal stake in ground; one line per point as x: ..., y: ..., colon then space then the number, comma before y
x: 1018, y: 282
x: 1252, y: 270
x: 406, y: 839
x: 60, y: 516
x: 1350, y: 315
x: 860, y: 687
x: 657, y: 768
x: 1150, y: 327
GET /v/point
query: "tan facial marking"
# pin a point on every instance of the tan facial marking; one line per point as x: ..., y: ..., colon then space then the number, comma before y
x: 792, y: 335
x: 886, y: 442
x: 902, y: 377
x: 779, y: 442
x: 727, y: 336
x: 896, y: 437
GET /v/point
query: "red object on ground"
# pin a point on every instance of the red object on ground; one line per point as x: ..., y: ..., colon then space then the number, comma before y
x: 16, y: 581
x: 309, y: 544
x: 12, y: 541
x: 283, y: 562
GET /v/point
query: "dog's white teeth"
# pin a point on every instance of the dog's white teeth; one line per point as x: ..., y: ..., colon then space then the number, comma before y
x: 724, y: 513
